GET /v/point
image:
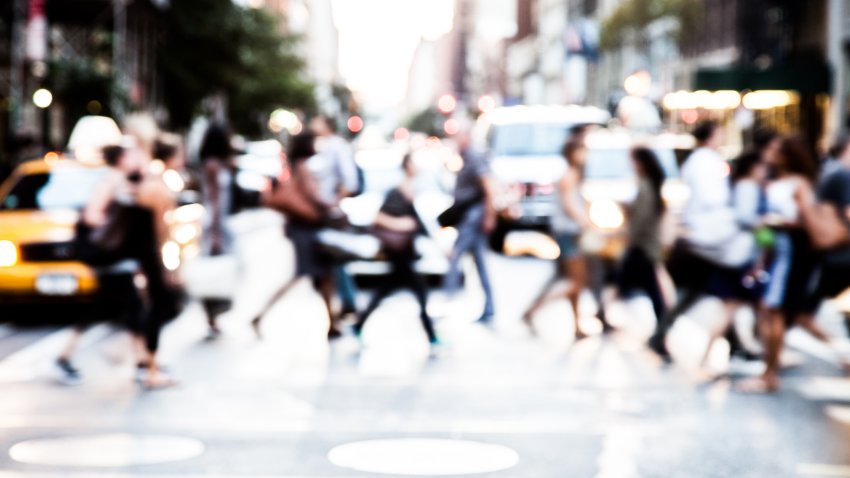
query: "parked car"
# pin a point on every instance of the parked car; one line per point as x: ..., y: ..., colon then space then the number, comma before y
x: 40, y: 205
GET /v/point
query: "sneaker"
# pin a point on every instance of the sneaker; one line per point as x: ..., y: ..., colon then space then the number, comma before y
x: 70, y: 375
x: 485, y: 319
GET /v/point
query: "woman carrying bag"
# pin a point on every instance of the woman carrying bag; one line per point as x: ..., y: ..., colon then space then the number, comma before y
x: 296, y: 196
x: 117, y: 236
x: 397, y: 226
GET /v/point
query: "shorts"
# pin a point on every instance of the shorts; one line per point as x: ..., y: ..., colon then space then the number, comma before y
x: 791, y: 274
x: 568, y: 244
x: 832, y: 281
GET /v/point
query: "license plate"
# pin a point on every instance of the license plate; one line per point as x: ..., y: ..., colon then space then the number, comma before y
x: 57, y: 284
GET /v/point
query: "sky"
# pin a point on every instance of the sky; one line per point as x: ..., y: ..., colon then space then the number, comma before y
x: 377, y: 42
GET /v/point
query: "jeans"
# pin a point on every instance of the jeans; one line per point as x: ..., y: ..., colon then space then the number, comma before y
x: 472, y: 239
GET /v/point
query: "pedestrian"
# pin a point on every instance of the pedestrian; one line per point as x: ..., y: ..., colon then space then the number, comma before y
x: 826, y: 217
x: 217, y: 188
x: 117, y: 236
x: 337, y: 178
x: 787, y: 299
x: 569, y: 219
x: 475, y: 218
x: 712, y: 255
x: 297, y: 196
x: 397, y: 225
x: 642, y: 259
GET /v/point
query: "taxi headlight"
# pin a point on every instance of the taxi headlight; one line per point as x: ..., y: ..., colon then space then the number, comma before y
x: 171, y: 255
x: 606, y: 214
x: 8, y: 254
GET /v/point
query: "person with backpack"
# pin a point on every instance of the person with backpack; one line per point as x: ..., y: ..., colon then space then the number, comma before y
x: 397, y: 226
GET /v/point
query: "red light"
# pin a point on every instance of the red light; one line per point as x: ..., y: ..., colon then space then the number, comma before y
x: 401, y: 134
x: 355, y: 124
x: 447, y: 104
x: 690, y: 116
x: 451, y: 127
x: 486, y: 103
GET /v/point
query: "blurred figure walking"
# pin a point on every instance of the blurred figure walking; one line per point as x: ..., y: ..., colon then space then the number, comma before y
x: 713, y: 255
x: 117, y: 235
x: 297, y: 197
x: 337, y: 177
x: 475, y: 218
x: 568, y: 221
x: 639, y: 269
x: 217, y: 187
x: 397, y: 226
x: 787, y: 300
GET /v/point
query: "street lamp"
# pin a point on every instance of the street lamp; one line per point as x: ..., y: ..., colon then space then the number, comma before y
x: 42, y: 98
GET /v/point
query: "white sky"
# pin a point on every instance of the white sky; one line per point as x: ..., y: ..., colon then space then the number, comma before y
x: 377, y: 41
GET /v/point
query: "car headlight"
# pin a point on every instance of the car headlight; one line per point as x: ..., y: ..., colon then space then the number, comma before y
x: 171, y: 255
x: 606, y: 214
x: 8, y: 254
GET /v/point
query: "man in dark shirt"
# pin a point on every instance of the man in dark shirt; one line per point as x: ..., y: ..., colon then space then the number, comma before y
x: 473, y: 189
x: 827, y: 219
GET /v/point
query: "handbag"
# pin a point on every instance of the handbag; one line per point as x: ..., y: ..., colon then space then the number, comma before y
x: 112, y: 234
x: 394, y: 242
x: 452, y: 216
x: 289, y: 198
x: 103, y: 245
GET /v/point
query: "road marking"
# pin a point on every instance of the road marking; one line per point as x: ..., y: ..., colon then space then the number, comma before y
x: 109, y: 450
x: 90, y: 474
x: 822, y: 470
x: 423, y: 457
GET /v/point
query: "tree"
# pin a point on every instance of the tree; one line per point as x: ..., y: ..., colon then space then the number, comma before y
x: 215, y: 48
x: 632, y: 17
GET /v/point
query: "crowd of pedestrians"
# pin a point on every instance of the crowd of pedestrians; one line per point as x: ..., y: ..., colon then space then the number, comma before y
x: 768, y: 231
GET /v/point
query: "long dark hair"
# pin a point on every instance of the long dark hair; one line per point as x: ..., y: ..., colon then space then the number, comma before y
x: 797, y: 158
x: 651, y: 167
x: 216, y: 143
x: 301, y: 147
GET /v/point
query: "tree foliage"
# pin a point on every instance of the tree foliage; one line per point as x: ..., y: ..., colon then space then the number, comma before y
x: 632, y: 17
x: 215, y: 48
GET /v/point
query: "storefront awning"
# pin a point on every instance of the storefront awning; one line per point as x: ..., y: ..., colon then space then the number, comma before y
x: 808, y: 79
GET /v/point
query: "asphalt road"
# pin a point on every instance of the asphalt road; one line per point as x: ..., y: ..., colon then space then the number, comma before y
x: 493, y: 402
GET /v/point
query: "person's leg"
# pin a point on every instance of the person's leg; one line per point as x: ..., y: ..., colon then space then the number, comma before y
x: 730, y: 307
x: 380, y: 294
x: 479, y: 252
x: 347, y: 291
x: 416, y: 283
x: 807, y: 322
x: 467, y: 234
x: 693, y: 273
x: 577, y: 275
x: 773, y: 334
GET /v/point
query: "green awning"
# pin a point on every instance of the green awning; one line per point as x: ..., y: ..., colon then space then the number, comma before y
x: 808, y: 79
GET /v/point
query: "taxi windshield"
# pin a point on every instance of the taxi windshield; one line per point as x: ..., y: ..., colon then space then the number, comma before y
x: 63, y: 188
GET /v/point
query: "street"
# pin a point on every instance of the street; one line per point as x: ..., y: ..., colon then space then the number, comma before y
x: 492, y: 402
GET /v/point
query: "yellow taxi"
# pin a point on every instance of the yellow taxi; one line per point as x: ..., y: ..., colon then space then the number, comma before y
x: 40, y: 205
